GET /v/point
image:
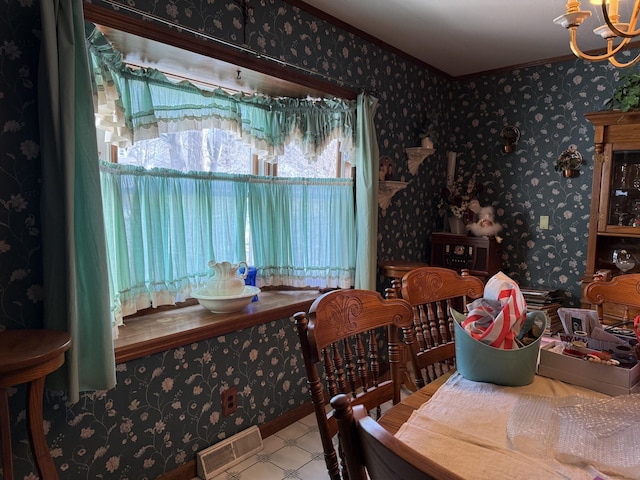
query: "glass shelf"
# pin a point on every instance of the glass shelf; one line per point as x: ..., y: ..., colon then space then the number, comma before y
x: 624, y: 195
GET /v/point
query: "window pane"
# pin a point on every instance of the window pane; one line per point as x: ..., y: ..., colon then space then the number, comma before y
x: 209, y: 150
x: 213, y: 150
x: 294, y: 163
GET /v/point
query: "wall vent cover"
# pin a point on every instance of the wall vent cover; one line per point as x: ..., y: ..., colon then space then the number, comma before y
x: 223, y: 455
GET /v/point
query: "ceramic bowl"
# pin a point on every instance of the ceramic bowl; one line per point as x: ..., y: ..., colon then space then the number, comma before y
x: 225, y: 304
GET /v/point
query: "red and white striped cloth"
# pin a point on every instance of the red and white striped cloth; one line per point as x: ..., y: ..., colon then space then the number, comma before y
x: 497, y: 318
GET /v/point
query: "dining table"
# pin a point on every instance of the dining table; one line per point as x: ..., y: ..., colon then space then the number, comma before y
x: 547, y: 429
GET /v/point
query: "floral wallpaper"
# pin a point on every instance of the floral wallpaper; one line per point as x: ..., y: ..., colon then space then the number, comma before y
x: 166, y: 406
x: 547, y: 104
x: 20, y: 255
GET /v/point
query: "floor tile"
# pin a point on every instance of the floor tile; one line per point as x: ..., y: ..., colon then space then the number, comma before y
x: 310, y: 420
x: 314, y: 470
x: 262, y: 471
x: 293, y: 431
x: 294, y: 452
x: 310, y: 442
x: 290, y: 457
x: 272, y: 443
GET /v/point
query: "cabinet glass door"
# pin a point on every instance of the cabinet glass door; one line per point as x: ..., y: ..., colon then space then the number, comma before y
x: 624, y: 193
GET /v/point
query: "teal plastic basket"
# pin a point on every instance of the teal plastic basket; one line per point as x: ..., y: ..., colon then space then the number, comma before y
x: 480, y: 362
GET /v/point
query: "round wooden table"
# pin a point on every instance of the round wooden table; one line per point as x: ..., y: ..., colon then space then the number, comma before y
x: 28, y: 356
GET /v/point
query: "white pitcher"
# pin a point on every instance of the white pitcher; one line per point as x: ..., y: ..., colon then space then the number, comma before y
x: 226, y: 280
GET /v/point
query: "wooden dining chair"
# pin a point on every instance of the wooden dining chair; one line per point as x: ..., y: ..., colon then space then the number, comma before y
x: 371, y: 452
x: 432, y: 292
x: 343, y: 342
x: 617, y: 299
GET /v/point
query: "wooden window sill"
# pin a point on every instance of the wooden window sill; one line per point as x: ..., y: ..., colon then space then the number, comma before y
x: 161, y: 331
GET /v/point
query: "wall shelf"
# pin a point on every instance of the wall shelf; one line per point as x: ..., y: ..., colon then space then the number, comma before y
x: 386, y: 191
x: 416, y: 157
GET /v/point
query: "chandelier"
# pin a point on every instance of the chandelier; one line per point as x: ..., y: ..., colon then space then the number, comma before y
x: 618, y: 35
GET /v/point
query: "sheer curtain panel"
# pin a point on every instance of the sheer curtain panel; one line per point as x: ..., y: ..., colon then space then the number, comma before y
x: 303, y: 231
x: 164, y: 226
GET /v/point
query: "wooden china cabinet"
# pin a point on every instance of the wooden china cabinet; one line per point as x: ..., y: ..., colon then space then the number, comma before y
x: 615, y: 204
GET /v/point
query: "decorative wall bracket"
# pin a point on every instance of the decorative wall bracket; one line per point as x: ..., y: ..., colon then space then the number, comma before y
x: 416, y: 156
x: 386, y: 191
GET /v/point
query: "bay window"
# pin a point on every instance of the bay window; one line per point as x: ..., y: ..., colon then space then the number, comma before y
x: 195, y: 181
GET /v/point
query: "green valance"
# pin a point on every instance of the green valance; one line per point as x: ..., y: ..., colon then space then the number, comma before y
x: 141, y: 103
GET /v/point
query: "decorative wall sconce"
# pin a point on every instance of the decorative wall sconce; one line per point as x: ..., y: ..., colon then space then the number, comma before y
x: 509, y: 136
x: 569, y: 163
x: 451, y: 167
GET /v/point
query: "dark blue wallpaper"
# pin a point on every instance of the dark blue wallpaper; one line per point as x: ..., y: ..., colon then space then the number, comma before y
x: 166, y: 406
x: 547, y: 103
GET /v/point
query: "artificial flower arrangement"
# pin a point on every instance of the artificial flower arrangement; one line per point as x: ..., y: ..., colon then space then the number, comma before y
x: 456, y: 198
x: 569, y: 162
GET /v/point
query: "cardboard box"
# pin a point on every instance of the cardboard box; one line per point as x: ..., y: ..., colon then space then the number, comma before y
x: 601, y: 378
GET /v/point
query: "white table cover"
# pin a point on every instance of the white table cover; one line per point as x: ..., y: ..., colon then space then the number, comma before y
x: 484, y: 431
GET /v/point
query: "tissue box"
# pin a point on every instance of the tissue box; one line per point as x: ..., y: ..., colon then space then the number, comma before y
x: 601, y: 378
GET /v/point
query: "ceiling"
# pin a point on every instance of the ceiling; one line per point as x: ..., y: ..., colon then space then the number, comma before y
x: 464, y: 37
x: 456, y: 37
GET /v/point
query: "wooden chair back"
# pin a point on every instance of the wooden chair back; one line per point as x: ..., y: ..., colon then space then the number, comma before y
x: 432, y: 292
x: 372, y: 452
x: 619, y: 298
x: 340, y: 340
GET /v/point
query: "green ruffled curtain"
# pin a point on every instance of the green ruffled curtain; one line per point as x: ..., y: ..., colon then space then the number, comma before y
x: 302, y: 231
x: 163, y: 227
x: 149, y: 104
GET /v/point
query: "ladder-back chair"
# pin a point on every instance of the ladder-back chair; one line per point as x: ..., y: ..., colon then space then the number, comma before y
x: 618, y: 298
x: 371, y: 452
x: 432, y: 292
x: 340, y: 340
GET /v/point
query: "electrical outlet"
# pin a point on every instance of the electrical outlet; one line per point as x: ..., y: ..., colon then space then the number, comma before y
x: 544, y: 222
x: 229, y: 401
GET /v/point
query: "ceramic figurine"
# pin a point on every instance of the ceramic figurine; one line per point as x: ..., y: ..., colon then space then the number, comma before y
x: 485, y: 225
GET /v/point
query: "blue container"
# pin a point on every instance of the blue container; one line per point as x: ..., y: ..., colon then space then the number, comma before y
x: 480, y: 362
x: 250, y: 279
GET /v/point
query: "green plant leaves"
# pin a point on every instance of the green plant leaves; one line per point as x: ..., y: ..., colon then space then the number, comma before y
x: 627, y: 96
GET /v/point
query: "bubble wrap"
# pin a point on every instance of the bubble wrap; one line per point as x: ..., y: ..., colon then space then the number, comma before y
x: 604, y: 433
